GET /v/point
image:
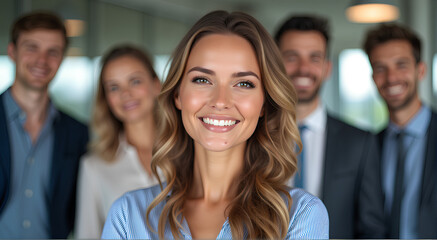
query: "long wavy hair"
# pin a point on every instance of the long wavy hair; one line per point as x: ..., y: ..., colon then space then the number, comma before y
x: 263, y: 203
x: 105, y: 125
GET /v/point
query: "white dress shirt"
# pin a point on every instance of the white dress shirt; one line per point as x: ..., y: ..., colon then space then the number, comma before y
x: 313, y: 140
x: 101, y: 183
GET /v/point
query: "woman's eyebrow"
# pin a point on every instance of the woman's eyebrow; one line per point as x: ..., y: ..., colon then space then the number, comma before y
x: 201, y: 69
x: 210, y: 72
x: 243, y: 74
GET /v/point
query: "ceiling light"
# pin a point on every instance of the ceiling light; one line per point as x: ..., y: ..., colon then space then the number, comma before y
x: 368, y: 11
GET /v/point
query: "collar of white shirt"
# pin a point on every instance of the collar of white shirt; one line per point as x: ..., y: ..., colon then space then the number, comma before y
x: 316, y: 121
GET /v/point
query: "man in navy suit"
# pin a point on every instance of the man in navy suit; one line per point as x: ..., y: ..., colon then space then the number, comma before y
x: 339, y: 162
x: 409, y: 142
x: 40, y: 146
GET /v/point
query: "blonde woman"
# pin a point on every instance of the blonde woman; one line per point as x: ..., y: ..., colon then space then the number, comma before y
x: 226, y: 144
x: 124, y: 127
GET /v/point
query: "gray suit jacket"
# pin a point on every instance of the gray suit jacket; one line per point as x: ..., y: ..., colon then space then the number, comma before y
x: 351, y: 188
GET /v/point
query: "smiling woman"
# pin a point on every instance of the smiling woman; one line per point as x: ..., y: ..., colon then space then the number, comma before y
x: 221, y: 84
x: 226, y: 144
x: 124, y: 127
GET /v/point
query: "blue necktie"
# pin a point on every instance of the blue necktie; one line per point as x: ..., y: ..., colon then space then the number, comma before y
x: 299, y: 179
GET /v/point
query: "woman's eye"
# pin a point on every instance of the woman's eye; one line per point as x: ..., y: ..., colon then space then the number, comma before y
x: 200, y: 80
x: 136, y: 82
x: 112, y: 88
x: 246, y: 84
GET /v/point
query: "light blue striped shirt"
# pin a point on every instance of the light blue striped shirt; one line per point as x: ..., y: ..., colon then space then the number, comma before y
x: 127, y: 218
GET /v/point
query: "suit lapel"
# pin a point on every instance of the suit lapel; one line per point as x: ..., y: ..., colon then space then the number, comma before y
x: 430, y: 171
x: 5, y: 157
x: 428, y: 207
x: 58, y: 149
x: 330, y: 157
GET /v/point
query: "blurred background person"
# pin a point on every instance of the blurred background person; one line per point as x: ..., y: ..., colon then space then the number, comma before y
x: 40, y: 146
x: 124, y: 126
x: 338, y: 163
x: 409, y: 142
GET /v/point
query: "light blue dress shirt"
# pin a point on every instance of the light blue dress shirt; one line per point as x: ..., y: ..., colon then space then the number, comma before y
x: 414, y: 141
x: 26, y: 211
x: 127, y: 218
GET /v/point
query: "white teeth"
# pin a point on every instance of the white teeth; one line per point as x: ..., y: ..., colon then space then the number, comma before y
x: 395, y: 90
x: 216, y: 122
x: 38, y: 72
x: 303, y: 81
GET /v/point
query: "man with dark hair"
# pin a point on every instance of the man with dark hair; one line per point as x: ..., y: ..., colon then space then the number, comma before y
x: 409, y: 142
x: 338, y: 163
x: 40, y: 146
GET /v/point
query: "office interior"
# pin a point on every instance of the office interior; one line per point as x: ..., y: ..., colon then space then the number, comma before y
x: 158, y: 25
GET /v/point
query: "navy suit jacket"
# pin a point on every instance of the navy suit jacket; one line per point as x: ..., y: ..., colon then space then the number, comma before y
x: 427, y: 225
x: 351, y: 188
x: 70, y: 141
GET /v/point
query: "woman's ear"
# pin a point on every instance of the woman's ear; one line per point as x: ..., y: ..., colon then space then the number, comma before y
x: 177, y: 100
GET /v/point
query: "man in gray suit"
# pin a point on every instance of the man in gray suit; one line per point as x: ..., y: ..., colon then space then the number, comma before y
x: 409, y: 142
x: 338, y: 163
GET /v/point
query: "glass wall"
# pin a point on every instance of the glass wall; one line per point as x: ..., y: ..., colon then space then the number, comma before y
x: 361, y: 103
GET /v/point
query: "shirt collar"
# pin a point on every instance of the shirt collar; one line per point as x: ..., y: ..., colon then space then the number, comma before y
x: 14, y: 111
x: 316, y: 121
x: 417, y: 126
x: 123, y: 145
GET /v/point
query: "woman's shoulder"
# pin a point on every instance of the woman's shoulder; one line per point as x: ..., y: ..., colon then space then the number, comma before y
x: 304, y: 201
x: 127, y: 216
x: 301, y: 197
x: 92, y: 160
x: 308, y: 216
x: 141, y: 197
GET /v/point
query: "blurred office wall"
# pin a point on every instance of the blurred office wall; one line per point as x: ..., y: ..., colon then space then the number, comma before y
x: 158, y: 25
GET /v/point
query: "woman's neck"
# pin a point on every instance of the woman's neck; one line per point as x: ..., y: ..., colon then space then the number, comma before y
x: 215, y: 174
x: 141, y: 136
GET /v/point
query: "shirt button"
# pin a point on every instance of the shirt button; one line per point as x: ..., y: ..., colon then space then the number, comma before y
x: 26, y: 224
x: 22, y: 115
x: 31, y: 160
x: 28, y: 193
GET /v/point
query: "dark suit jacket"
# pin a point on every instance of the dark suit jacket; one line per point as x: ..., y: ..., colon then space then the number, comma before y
x: 427, y: 225
x: 351, y: 189
x: 69, y: 144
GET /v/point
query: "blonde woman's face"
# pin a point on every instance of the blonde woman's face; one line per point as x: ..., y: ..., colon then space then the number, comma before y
x: 130, y: 89
x: 221, y: 94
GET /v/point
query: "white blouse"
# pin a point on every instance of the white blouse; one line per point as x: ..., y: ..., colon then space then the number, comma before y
x: 101, y: 183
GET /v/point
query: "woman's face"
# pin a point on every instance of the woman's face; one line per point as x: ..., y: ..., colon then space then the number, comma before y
x: 221, y: 94
x: 130, y: 89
